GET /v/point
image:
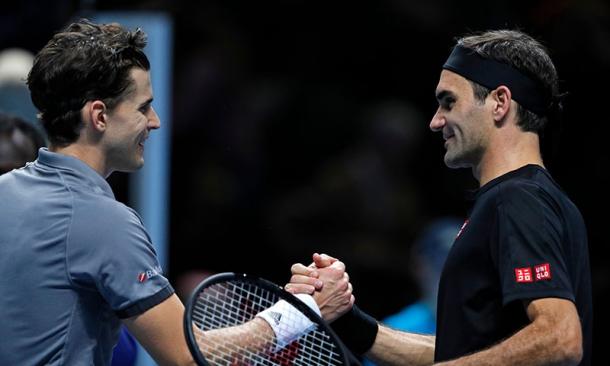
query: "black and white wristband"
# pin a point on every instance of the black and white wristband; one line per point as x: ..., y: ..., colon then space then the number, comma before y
x: 357, y: 330
x: 287, y: 322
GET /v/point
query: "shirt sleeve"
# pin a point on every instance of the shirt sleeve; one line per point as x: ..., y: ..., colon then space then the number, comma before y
x: 531, y: 261
x: 110, y: 251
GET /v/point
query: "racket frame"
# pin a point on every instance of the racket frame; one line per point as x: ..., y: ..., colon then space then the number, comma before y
x: 267, y: 285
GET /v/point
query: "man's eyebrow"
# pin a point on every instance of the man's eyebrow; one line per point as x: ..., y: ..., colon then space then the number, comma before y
x: 442, y: 94
x: 147, y: 102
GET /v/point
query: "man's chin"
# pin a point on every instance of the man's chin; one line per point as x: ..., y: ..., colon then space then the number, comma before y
x: 139, y: 165
x: 453, y: 162
x: 132, y: 167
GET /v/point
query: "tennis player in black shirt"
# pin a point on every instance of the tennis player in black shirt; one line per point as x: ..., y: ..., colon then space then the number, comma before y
x: 516, y: 287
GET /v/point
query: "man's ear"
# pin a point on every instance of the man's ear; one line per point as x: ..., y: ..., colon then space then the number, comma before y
x: 96, y: 110
x: 502, y: 99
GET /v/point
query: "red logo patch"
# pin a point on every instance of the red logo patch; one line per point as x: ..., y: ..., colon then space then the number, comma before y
x: 150, y: 273
x: 142, y: 277
x: 543, y: 272
x: 462, y: 228
x: 523, y: 274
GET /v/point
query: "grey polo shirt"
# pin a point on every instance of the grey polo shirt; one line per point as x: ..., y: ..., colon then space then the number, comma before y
x: 73, y: 261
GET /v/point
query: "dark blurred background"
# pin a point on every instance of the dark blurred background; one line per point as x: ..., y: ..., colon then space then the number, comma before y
x: 302, y: 126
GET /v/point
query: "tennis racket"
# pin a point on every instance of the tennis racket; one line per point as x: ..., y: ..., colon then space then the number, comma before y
x: 222, y: 327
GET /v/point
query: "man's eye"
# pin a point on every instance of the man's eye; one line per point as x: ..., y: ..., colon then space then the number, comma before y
x: 447, y: 103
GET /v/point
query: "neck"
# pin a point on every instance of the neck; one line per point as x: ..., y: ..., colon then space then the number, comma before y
x: 507, y: 154
x: 89, y: 154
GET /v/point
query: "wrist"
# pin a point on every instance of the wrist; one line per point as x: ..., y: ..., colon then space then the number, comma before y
x: 357, y: 330
x: 287, y: 322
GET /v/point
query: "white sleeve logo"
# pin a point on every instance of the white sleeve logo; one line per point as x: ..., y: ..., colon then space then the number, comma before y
x: 149, y: 273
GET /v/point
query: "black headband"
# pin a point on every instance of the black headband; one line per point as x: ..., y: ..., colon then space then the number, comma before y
x: 491, y: 74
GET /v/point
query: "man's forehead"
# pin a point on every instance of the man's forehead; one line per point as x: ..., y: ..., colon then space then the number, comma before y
x: 141, y: 83
x: 450, y: 81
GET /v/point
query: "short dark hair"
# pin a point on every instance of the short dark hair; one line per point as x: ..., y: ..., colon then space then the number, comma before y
x: 525, y: 54
x: 83, y: 62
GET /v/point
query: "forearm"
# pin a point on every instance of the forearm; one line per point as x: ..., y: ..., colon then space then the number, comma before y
x: 270, y: 331
x: 235, y: 342
x: 160, y: 331
x: 536, y: 344
x: 394, y: 347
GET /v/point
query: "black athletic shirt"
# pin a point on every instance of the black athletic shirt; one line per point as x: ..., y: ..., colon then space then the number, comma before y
x: 524, y: 239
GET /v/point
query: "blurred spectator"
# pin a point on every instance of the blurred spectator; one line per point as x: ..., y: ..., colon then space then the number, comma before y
x: 15, y: 63
x: 19, y: 142
x: 428, y: 255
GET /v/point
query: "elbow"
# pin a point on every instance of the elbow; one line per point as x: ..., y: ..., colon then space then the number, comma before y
x: 573, y: 354
x: 570, y: 348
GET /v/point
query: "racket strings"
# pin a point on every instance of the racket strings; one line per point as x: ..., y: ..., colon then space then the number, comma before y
x: 219, y: 311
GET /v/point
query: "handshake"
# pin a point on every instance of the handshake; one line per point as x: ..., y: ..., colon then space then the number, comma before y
x: 324, y: 286
x: 327, y: 282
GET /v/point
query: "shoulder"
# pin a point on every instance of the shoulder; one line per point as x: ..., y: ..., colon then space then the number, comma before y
x: 508, y: 193
x: 101, y: 223
x: 527, y: 185
x: 100, y: 210
x: 518, y: 188
x: 527, y: 194
x: 107, y: 234
x: 532, y: 203
x: 534, y: 188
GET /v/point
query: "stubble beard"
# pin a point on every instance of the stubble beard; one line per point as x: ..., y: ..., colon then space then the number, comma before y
x: 463, y: 156
x: 129, y: 160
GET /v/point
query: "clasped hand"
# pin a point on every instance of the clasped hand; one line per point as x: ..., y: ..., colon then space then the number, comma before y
x: 327, y: 281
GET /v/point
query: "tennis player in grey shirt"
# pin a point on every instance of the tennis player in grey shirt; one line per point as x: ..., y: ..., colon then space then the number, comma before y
x: 73, y: 260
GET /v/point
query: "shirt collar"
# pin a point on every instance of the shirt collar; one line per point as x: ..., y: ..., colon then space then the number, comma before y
x: 519, y: 171
x: 78, y: 167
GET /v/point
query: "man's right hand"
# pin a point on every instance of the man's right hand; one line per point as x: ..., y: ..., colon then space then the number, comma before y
x: 326, y: 280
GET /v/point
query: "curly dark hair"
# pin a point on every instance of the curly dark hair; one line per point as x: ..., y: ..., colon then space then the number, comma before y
x: 83, y: 62
x: 525, y: 54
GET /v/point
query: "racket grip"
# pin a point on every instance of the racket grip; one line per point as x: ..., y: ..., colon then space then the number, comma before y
x: 357, y: 330
x: 287, y: 322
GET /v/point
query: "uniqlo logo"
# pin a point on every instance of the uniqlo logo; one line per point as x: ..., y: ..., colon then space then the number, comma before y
x: 523, y: 274
x: 543, y: 272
